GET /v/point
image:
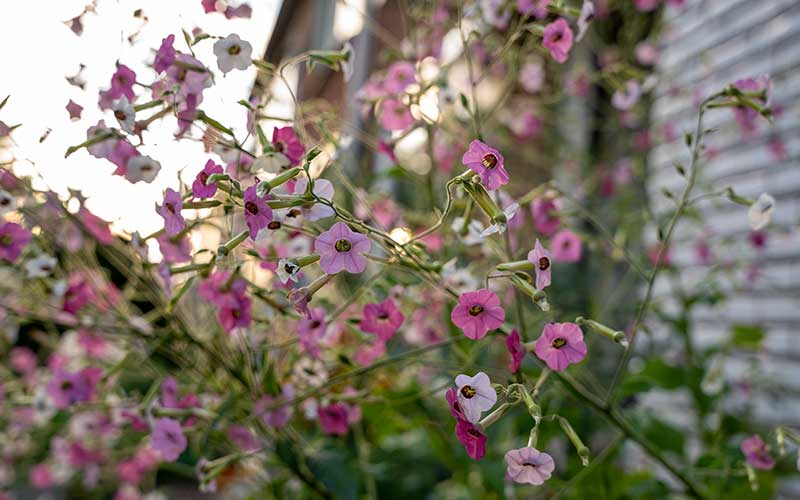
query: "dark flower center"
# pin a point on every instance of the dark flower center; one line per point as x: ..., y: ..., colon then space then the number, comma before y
x: 544, y: 264
x: 236, y: 313
x: 120, y: 115
x: 169, y: 207
x: 234, y: 50
x: 279, y: 147
x: 146, y: 167
x: 559, y: 342
x: 343, y: 245
x: 290, y: 268
x: 66, y: 385
x: 475, y: 310
x: 468, y: 391
x: 274, y: 225
x: 203, y: 178
x: 293, y: 213
x: 5, y: 201
x: 489, y: 161
x: 315, y: 324
x: 6, y: 240
x: 530, y: 464
x: 251, y: 207
x: 383, y: 315
x: 474, y: 433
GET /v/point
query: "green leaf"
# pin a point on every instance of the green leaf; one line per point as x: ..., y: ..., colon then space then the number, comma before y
x: 747, y: 336
x: 333, y: 469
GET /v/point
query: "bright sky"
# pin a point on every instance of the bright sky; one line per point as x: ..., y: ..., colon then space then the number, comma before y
x: 40, y: 51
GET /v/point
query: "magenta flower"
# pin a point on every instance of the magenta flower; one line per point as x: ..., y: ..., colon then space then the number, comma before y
x: 121, y: 85
x: 280, y: 416
x: 96, y: 226
x: 165, y: 55
x: 242, y: 437
x: 478, y: 312
x: 382, y: 319
x: 455, y: 407
x: 170, y: 210
x: 516, y: 350
x: 257, y: 214
x: 400, y: 75
x: 535, y: 8
x: 472, y: 438
x: 475, y: 395
x: 488, y: 163
x: 545, y: 220
x: 285, y: 141
x: 236, y: 314
x: 167, y: 438
x: 74, y: 109
x: 67, y: 388
x: 558, y: 39
x: 540, y: 258
x: 756, y: 452
x: 174, y: 252
x: 200, y: 187
x: 334, y: 419
x: 77, y: 295
x: 567, y: 246
x: 13, y: 239
x: 311, y: 329
x: 529, y: 465
x: 395, y: 115
x: 560, y: 345
x: 341, y: 249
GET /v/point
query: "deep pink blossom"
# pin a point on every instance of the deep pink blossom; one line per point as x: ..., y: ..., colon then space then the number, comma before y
x: 472, y: 438
x: 455, y: 407
x: 341, y: 249
x: 78, y: 294
x: 382, y: 319
x: 237, y: 314
x: 96, y: 226
x: 67, y: 388
x: 285, y: 141
x: 311, y: 329
x: 516, y: 351
x: 560, y: 345
x: 395, y: 115
x: 165, y: 56
x: 200, y: 187
x: 478, y: 312
x: 545, y: 220
x: 121, y: 85
x: 334, y: 419
x: 170, y: 210
x: 567, y: 246
x: 529, y: 465
x: 257, y: 214
x: 399, y: 76
x: 488, y: 163
x: 540, y: 258
x: 22, y: 359
x: 41, y: 477
x: 558, y: 39
x: 367, y: 354
x: 168, y: 439
x: 756, y: 452
x: 13, y: 239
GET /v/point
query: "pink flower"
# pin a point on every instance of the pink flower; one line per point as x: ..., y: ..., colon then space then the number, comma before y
x: 455, y: 407
x: 77, y: 295
x: 243, y: 11
x: 567, y: 246
x: 285, y: 141
x: 341, y: 249
x: 22, y: 360
x: 257, y: 214
x: 488, y: 163
x: 478, y: 312
x: 67, y: 388
x: 367, y: 355
x: 200, y: 186
x: 174, y: 252
x: 475, y: 395
x: 311, y: 329
x: 625, y: 98
x: 242, y: 437
x: 540, y: 258
x: 41, y: 477
x: 516, y: 350
x: 96, y: 226
x: 74, y: 109
x: 382, y: 319
x: 529, y: 465
x: 535, y: 8
x: 525, y: 125
x: 170, y: 210
x: 278, y: 417
x: 558, y: 39
x: 395, y: 115
x: 121, y: 85
x: 13, y: 238
x: 560, y: 345
x: 236, y: 314
x: 544, y: 219
x: 646, y: 5
x: 334, y: 419
x: 165, y: 55
x: 168, y: 438
x: 400, y: 75
x: 756, y: 452
x: 472, y: 438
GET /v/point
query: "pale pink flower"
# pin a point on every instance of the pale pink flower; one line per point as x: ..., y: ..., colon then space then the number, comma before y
x: 567, y: 246
x: 529, y: 465
x: 540, y: 258
x: 342, y: 249
x: 560, y: 345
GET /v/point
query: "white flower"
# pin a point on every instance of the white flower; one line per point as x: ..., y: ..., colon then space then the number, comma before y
x: 272, y: 163
x: 287, y: 270
x: 310, y: 371
x: 462, y: 280
x: 500, y: 227
x: 495, y: 13
x: 323, y: 189
x: 625, y: 99
x: 142, y: 168
x: 8, y: 202
x: 40, y: 267
x: 531, y: 75
x: 475, y: 395
x: 585, y: 18
x: 474, y: 231
x: 233, y: 52
x: 760, y: 212
x: 125, y: 114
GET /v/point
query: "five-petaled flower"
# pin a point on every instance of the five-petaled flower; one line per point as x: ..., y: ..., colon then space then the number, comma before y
x: 168, y: 439
x: 201, y: 187
x: 170, y: 210
x: 488, y: 163
x: 567, y: 246
x: 478, y: 312
x: 341, y: 249
x: 540, y: 258
x: 286, y: 142
x: 257, y: 214
x: 756, y: 452
x: 560, y: 345
x: 529, y: 465
x: 382, y: 319
x: 233, y: 52
x: 558, y: 39
x: 13, y: 238
x: 475, y: 395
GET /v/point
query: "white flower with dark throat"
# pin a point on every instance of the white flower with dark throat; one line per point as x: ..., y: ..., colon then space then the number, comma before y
x: 233, y: 53
x: 142, y: 168
x: 475, y: 395
x: 125, y: 114
x: 760, y: 212
x: 272, y: 163
x: 585, y: 18
x: 8, y: 202
x: 287, y: 270
x: 40, y: 267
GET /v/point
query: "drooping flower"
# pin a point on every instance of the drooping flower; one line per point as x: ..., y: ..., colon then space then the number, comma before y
x: 472, y: 438
x: 488, y: 163
x: 516, y: 350
x: 395, y: 115
x: 558, y: 40
x: 200, y: 187
x: 382, y: 319
x: 323, y: 188
x: 142, y: 168
x: 560, y: 345
x: 41, y: 266
x: 13, y: 239
x: 399, y: 76
x: 475, y: 395
x: 567, y: 246
x: 760, y: 212
x: 540, y: 258
x: 625, y: 98
x: 334, y: 419
x: 529, y: 465
x: 67, y: 388
x: 233, y: 52
x: 341, y: 249
x: 170, y: 210
x: 545, y: 220
x: 756, y: 452
x: 257, y: 214
x: 74, y: 109
x: 168, y: 439
x: 165, y: 55
x: 478, y: 312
